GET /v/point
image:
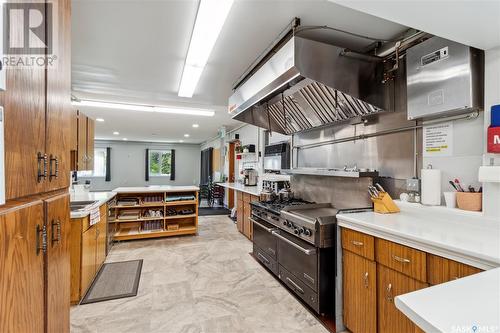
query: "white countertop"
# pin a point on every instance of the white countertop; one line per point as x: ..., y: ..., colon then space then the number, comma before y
x: 456, y: 306
x: 156, y: 189
x: 253, y: 190
x: 101, y: 197
x: 459, y: 235
x: 466, y: 237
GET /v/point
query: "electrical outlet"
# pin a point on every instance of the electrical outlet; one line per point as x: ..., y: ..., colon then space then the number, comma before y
x: 413, y: 185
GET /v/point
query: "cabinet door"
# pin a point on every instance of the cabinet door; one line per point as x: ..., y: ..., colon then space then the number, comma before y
x: 442, y: 270
x: 90, y: 143
x: 389, y: 285
x: 21, y: 269
x: 247, y: 224
x: 82, y: 141
x: 360, y: 293
x: 101, y: 237
x: 240, y: 215
x: 59, y: 109
x: 24, y: 125
x: 89, y: 245
x: 58, y: 263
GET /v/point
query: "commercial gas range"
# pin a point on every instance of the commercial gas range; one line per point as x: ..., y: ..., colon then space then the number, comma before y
x: 296, y: 241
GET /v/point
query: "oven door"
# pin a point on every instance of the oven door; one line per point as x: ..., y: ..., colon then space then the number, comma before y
x: 263, y: 236
x: 299, y: 258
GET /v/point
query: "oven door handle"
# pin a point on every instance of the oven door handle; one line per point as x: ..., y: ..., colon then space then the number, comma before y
x: 269, y: 230
x: 298, y: 247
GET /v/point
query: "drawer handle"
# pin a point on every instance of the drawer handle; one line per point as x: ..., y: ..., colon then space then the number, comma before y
x: 271, y: 250
x: 356, y: 243
x: 401, y: 260
x: 263, y: 258
x: 261, y: 225
x: 295, y: 286
x: 298, y: 247
x: 365, y: 279
x: 390, y: 298
x: 56, y: 234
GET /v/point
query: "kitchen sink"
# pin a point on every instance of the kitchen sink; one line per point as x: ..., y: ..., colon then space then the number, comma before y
x: 80, y: 205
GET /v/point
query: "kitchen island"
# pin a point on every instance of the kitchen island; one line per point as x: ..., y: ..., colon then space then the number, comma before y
x: 425, y: 262
x: 154, y: 211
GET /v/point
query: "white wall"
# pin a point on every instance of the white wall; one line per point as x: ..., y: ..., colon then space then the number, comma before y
x: 128, y: 165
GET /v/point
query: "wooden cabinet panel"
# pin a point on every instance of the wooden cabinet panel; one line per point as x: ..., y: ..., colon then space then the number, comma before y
x: 239, y: 215
x: 89, y: 245
x: 441, y: 270
x: 247, y: 224
x: 74, y: 131
x: 90, y: 143
x: 239, y: 195
x: 389, y: 285
x: 76, y: 260
x: 58, y: 124
x: 246, y: 197
x: 58, y: 263
x: 21, y: 269
x: 101, y: 237
x: 360, y: 293
x: 82, y: 141
x: 359, y: 243
x: 402, y: 259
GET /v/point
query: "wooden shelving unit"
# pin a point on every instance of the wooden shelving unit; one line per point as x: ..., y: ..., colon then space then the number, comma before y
x: 129, y: 229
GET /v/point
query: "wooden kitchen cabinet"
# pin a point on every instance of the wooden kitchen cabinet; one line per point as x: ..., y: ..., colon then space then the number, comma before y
x: 244, y: 213
x: 88, y: 252
x: 360, y: 293
x: 58, y: 263
x: 85, y: 140
x: 247, y: 223
x: 441, y: 270
x: 22, y: 268
x: 239, y: 215
x: 390, y: 284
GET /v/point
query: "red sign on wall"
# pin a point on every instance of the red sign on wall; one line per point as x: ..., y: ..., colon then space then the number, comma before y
x: 494, y: 140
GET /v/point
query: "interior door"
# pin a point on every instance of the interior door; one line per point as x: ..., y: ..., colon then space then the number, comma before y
x: 359, y: 293
x: 59, y: 110
x: 58, y: 271
x: 89, y: 245
x: 24, y: 126
x: 21, y: 269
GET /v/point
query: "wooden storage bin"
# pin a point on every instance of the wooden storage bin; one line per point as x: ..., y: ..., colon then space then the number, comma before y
x: 470, y: 201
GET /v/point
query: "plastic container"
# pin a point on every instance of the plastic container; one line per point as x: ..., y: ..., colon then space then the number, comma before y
x: 470, y: 201
x: 495, y: 116
x: 450, y: 198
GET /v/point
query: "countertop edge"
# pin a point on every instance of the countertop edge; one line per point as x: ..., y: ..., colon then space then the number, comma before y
x: 253, y: 190
x: 425, y: 325
x: 102, y: 201
x: 433, y: 248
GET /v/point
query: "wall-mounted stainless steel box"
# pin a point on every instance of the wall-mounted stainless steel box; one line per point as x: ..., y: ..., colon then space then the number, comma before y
x: 444, y: 78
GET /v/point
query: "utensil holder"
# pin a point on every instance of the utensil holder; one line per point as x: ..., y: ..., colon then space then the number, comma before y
x: 384, y: 204
x: 470, y: 201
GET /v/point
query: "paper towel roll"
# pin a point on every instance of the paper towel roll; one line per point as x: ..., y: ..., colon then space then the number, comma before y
x: 431, y: 187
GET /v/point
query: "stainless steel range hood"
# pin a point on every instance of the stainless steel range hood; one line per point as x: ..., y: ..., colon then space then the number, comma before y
x: 308, y: 84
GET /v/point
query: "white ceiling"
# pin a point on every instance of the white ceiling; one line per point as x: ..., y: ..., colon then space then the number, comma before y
x: 470, y: 22
x: 133, y: 51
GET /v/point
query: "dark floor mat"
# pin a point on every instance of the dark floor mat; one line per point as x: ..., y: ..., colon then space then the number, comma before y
x: 207, y: 211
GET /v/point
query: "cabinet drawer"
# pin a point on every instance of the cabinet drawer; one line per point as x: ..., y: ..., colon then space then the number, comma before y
x: 402, y: 258
x: 441, y: 270
x: 265, y: 259
x: 358, y: 243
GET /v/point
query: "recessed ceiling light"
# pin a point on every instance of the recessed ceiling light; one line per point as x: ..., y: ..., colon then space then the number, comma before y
x: 99, y: 120
x: 124, y: 139
x: 186, y: 135
x: 116, y: 133
x: 196, y: 125
x: 146, y: 108
x: 209, y: 21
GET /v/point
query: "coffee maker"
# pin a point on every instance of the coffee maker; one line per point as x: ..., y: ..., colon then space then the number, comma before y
x: 250, y: 177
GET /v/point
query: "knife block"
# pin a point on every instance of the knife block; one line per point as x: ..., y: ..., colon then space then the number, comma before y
x: 384, y: 204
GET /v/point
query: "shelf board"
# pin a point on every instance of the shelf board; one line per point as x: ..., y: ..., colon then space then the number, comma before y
x: 156, y: 204
x: 126, y: 233
x: 179, y: 203
x: 174, y: 217
x: 136, y: 220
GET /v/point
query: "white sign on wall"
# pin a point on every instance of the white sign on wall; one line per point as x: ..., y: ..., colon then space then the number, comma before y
x: 438, y: 140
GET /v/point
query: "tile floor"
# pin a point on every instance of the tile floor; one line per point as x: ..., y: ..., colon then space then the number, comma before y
x: 206, y: 283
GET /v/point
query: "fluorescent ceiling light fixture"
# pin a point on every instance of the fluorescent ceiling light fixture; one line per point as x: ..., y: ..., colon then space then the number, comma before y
x: 125, y: 139
x: 209, y: 21
x: 196, y: 125
x: 99, y: 120
x: 186, y: 135
x: 116, y: 133
x: 146, y: 108
x: 181, y: 141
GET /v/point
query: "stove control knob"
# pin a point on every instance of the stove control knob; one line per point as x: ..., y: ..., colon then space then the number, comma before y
x: 285, y: 223
x: 296, y: 231
x: 301, y: 230
x: 289, y: 224
x: 307, y: 232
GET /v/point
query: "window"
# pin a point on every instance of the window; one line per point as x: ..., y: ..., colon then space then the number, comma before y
x: 160, y: 162
x: 99, y: 165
